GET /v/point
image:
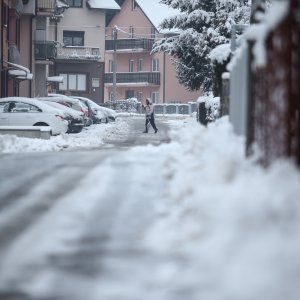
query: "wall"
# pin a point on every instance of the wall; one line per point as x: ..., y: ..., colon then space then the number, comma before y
x: 26, y: 53
x: 92, y: 21
x: 169, y: 89
x: 93, y: 70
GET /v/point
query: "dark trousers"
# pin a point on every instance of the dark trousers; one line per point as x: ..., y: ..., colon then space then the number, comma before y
x: 151, y: 121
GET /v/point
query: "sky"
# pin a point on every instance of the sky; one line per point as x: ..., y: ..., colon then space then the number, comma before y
x: 156, y: 11
x: 238, y: 223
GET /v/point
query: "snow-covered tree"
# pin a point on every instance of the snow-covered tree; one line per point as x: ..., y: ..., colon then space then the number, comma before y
x: 201, y: 25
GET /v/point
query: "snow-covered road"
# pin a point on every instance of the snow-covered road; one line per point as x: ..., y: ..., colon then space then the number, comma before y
x: 72, y: 223
x: 167, y: 217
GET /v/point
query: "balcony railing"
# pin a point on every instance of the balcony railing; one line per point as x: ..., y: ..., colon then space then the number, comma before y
x: 45, y: 50
x: 130, y: 44
x: 146, y: 78
x: 78, y: 53
x: 46, y: 6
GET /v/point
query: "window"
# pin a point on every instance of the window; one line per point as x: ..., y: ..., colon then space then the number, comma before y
x: 134, y: 5
x: 131, y: 32
x: 75, y: 3
x: 140, y: 65
x: 73, y: 38
x: 131, y: 62
x: 153, y: 32
x: 140, y: 96
x: 20, y: 107
x: 129, y: 94
x: 73, y: 82
x: 111, y: 66
x: 155, y: 65
x: 111, y: 96
x: 40, y: 35
x: 4, y: 15
x: 154, y: 97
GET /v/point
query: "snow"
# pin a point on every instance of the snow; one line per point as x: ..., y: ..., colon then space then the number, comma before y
x: 103, y: 4
x: 235, y: 224
x: 88, y: 138
x: 259, y: 32
x: 221, y: 53
x: 55, y: 78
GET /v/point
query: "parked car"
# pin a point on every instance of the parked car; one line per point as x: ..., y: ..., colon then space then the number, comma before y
x: 22, y: 111
x: 74, y: 117
x: 96, y: 115
x: 72, y: 103
x: 109, y: 114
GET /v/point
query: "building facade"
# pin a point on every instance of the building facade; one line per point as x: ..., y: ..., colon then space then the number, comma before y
x: 130, y: 35
x: 4, y: 46
x: 25, y: 52
x: 81, y: 47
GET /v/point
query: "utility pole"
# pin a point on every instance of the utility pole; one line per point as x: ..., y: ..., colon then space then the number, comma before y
x: 115, y: 35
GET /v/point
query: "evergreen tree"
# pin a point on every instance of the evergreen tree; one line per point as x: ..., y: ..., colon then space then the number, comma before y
x: 202, y: 25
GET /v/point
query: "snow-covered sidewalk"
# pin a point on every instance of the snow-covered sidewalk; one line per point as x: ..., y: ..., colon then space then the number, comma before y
x: 236, y: 222
x: 89, y: 137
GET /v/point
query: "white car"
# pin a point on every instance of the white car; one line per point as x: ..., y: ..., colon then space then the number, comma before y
x: 22, y: 111
x: 73, y: 103
x: 75, y: 118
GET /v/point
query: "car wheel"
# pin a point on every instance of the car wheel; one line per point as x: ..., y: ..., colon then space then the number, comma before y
x: 43, y: 124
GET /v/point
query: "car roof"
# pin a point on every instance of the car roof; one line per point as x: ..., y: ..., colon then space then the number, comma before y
x: 64, y: 108
x: 31, y: 101
x: 58, y: 98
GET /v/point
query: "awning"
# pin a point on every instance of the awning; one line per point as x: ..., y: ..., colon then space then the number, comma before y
x: 103, y: 4
x: 19, y: 72
x: 55, y: 79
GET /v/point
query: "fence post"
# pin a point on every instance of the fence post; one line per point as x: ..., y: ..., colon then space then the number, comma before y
x: 225, y: 94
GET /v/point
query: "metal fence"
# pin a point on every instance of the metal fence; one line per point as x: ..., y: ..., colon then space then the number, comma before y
x: 134, y: 106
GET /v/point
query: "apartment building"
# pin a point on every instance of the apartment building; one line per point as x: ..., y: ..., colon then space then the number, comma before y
x: 15, y: 68
x: 25, y: 52
x: 80, y: 38
x: 45, y: 47
x: 130, y: 35
x: 4, y: 46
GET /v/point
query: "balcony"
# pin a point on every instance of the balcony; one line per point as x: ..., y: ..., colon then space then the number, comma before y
x: 45, y: 50
x: 45, y: 7
x: 123, y: 45
x: 78, y: 53
x: 16, y: 5
x: 141, y: 78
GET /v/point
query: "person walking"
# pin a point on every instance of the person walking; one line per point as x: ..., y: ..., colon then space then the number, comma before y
x: 149, y: 114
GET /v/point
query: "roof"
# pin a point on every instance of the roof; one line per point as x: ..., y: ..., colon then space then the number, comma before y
x: 156, y: 11
x: 103, y: 4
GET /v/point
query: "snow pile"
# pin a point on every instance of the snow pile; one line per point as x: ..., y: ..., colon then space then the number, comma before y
x: 259, y: 32
x: 238, y: 223
x: 92, y: 136
x: 212, y: 105
x: 220, y: 54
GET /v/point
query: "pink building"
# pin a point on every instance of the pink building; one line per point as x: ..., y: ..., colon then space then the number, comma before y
x: 139, y: 73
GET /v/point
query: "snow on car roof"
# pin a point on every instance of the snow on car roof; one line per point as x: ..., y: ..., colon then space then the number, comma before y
x: 66, y: 109
x: 60, y: 98
x: 32, y: 101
